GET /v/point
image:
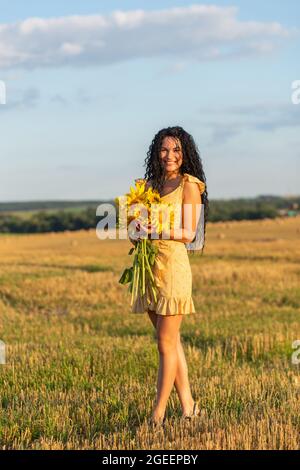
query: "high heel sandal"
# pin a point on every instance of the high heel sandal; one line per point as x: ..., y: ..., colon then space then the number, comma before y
x: 195, y: 412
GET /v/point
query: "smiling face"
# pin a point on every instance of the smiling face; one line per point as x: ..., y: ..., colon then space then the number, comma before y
x: 171, y: 155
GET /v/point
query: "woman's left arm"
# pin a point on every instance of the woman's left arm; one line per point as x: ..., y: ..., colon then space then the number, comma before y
x: 190, y: 213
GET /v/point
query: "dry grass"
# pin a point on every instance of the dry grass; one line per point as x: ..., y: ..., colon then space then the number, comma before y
x: 81, y: 369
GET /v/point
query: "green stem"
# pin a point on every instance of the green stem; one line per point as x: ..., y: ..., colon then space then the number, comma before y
x: 149, y: 268
x: 134, y: 279
x: 143, y: 265
x: 153, y: 289
x: 137, y: 281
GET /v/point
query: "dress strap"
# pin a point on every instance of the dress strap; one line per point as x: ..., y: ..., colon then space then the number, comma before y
x: 194, y: 179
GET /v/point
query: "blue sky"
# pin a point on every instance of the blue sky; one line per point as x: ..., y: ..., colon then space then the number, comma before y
x: 89, y: 84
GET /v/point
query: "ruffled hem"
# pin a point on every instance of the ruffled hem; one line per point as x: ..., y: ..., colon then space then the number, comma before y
x: 164, y: 305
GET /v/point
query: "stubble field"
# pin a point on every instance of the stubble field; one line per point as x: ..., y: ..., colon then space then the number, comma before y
x: 80, y: 369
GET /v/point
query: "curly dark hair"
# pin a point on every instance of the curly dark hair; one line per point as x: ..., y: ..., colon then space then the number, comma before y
x: 191, y: 163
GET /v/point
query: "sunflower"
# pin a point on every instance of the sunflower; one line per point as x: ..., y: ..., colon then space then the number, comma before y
x: 157, y: 215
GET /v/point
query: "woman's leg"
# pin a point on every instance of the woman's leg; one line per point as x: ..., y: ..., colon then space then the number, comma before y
x: 181, y: 379
x: 182, y: 384
x: 167, y: 328
x: 153, y: 317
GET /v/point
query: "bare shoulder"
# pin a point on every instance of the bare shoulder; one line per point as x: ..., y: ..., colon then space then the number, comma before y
x: 191, y: 191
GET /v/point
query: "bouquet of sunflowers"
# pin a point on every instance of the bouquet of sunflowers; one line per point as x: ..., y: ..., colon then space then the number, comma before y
x: 144, y: 209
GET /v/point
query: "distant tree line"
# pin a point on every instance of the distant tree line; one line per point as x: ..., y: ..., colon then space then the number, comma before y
x: 64, y: 218
x: 241, y: 210
x: 43, y: 221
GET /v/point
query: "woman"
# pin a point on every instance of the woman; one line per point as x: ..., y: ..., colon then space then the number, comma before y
x: 173, y: 166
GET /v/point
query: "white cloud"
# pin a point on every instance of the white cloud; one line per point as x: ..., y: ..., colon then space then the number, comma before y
x: 71, y: 49
x: 198, y: 32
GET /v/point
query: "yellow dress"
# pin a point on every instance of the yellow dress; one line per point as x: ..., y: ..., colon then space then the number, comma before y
x: 171, y: 270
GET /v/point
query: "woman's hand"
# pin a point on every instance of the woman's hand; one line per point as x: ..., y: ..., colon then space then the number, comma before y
x: 133, y: 241
x: 139, y: 232
x: 143, y: 230
x: 151, y: 232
